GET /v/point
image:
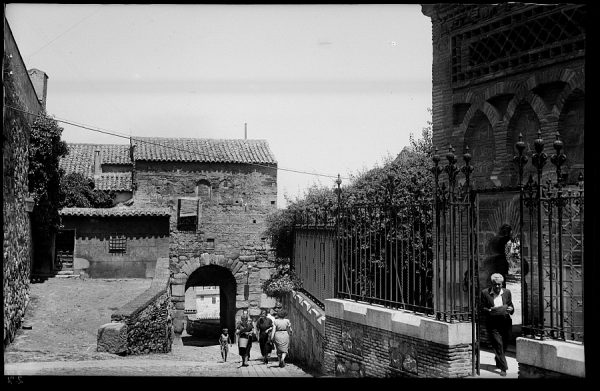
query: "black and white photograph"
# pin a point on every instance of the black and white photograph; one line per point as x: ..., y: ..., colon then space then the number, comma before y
x: 294, y: 191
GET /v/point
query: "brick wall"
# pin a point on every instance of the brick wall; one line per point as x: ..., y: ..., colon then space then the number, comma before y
x: 490, y: 111
x: 147, y: 239
x: 148, y: 316
x: 17, y: 92
x: 368, y: 341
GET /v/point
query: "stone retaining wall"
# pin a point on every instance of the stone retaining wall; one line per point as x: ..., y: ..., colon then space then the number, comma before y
x: 145, y: 321
x: 362, y: 340
x: 308, y: 336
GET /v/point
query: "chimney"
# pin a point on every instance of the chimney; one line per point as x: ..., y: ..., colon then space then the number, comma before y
x: 40, y: 84
x: 245, y: 131
x: 97, y: 163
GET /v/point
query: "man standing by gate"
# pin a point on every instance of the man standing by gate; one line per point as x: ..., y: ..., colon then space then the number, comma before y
x: 497, y: 307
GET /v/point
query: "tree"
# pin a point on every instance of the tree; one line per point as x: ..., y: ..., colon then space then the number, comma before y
x: 404, y: 183
x: 79, y: 191
x: 45, y: 150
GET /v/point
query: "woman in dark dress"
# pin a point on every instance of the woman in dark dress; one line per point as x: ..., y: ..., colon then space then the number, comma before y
x: 263, y: 326
x: 244, y: 330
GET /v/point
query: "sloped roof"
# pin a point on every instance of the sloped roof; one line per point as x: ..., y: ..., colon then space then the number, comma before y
x: 81, y: 157
x: 119, y: 211
x: 117, y: 181
x: 203, y: 150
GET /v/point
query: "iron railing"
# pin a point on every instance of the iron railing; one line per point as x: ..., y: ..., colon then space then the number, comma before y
x: 552, y: 246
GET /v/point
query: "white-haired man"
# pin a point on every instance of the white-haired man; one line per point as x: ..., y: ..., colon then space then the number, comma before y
x: 497, y: 307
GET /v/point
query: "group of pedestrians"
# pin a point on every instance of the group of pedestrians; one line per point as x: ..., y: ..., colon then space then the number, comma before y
x: 271, y: 329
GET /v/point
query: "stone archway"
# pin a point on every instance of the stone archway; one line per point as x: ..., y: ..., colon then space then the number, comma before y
x: 232, y: 274
x: 213, y: 275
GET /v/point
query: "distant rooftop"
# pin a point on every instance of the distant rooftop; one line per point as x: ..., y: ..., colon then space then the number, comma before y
x: 119, y: 211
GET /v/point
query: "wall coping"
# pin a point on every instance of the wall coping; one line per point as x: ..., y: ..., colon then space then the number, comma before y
x: 312, y: 312
x: 159, y: 285
x: 400, y: 322
x: 558, y: 356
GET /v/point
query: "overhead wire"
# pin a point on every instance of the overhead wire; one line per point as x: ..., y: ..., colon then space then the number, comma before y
x: 137, y: 139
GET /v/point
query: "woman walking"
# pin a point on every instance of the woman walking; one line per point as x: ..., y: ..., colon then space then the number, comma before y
x: 280, y: 334
x: 263, y: 326
x: 244, y: 330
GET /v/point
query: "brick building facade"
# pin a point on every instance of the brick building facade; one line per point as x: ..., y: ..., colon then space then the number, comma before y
x: 501, y: 72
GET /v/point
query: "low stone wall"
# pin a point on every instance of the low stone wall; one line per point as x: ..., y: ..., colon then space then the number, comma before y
x: 362, y: 340
x: 308, y: 336
x: 144, y: 324
x: 550, y: 359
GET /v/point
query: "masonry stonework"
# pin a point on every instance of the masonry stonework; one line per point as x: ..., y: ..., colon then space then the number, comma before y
x: 18, y: 92
x: 231, y: 202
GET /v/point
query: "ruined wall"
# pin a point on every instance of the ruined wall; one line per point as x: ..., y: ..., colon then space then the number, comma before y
x: 17, y: 92
x: 147, y: 239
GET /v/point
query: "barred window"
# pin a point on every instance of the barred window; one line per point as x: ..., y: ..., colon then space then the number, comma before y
x: 117, y: 244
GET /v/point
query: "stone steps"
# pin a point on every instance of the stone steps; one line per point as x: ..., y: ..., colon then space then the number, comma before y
x: 66, y: 274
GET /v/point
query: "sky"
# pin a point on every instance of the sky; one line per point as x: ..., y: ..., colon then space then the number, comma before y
x: 334, y: 89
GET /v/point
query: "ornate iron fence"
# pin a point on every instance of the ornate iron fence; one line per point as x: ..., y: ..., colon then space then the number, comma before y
x: 552, y: 264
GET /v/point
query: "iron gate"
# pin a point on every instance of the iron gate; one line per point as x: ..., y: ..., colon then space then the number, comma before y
x: 552, y: 264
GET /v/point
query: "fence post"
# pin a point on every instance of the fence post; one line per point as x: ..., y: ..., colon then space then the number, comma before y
x: 539, y: 160
x: 521, y: 160
x: 338, y: 252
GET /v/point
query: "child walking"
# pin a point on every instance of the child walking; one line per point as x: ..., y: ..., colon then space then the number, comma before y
x: 225, y: 342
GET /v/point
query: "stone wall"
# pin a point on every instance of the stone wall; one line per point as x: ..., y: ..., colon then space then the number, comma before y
x: 231, y: 278
x: 17, y: 245
x: 308, y: 337
x: 232, y: 214
x: 145, y: 322
x: 147, y: 239
x: 368, y: 341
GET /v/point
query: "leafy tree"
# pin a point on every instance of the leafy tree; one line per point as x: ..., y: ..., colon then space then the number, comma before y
x: 79, y: 191
x: 45, y: 150
x: 403, y: 183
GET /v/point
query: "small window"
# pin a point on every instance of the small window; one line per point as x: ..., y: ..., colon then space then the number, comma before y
x: 117, y: 244
x: 210, y: 244
x: 214, y: 300
x: 187, y: 214
x: 272, y: 202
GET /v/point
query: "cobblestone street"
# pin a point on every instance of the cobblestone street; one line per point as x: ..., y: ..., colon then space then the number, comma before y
x: 64, y: 316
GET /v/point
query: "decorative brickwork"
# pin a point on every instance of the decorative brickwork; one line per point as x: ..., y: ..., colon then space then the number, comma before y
x: 387, y: 354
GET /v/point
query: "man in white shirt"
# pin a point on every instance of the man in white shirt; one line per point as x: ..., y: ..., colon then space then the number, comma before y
x: 497, y: 307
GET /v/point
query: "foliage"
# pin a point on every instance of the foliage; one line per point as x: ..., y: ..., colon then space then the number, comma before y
x: 403, y: 184
x: 284, y: 279
x: 45, y: 150
x: 78, y: 191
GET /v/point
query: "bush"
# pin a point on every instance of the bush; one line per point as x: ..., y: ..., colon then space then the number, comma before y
x: 78, y: 191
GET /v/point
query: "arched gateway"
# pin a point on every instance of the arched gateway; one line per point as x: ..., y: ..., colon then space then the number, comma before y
x: 231, y: 276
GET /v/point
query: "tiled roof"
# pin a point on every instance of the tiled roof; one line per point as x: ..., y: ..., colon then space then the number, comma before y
x: 203, y: 150
x: 115, y: 212
x: 81, y: 157
x: 117, y: 181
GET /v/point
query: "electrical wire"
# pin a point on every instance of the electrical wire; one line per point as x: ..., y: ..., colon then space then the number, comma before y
x: 196, y: 153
